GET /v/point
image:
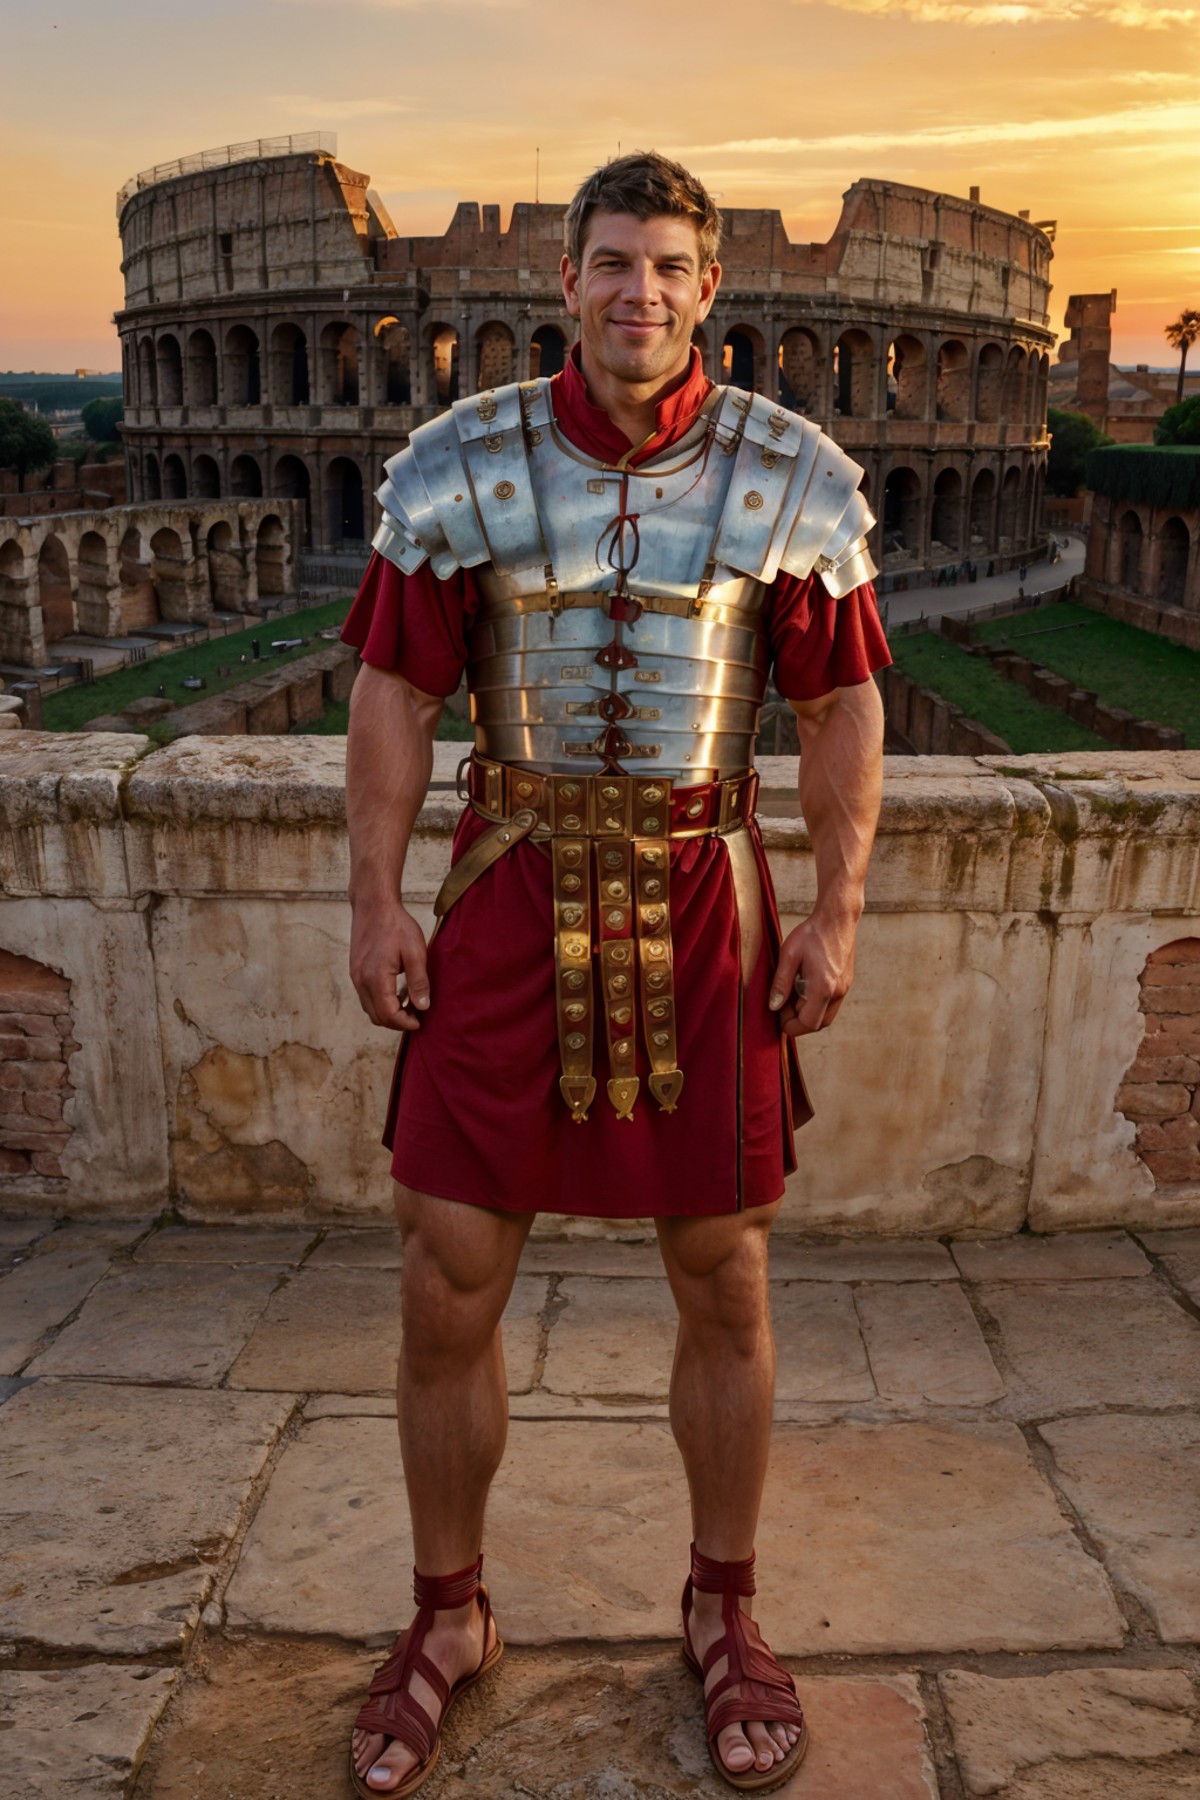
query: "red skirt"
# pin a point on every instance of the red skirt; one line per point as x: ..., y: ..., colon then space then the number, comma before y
x: 476, y: 1114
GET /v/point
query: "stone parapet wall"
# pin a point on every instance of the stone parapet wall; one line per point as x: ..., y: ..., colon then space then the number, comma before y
x: 193, y: 900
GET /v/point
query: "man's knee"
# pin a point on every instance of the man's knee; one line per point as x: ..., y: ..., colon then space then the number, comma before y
x: 719, y: 1274
x: 457, y: 1274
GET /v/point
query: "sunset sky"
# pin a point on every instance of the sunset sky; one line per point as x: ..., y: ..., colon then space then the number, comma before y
x: 1084, y: 111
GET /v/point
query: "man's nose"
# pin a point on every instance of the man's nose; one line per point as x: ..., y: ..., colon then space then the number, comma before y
x: 641, y: 282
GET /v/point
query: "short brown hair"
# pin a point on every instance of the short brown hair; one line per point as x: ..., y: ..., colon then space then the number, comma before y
x: 648, y: 186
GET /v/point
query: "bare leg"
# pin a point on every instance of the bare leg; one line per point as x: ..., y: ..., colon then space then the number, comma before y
x: 452, y: 1405
x: 722, y: 1392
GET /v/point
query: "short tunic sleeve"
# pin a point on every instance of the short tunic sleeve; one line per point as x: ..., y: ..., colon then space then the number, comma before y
x: 417, y: 625
x: 819, y: 643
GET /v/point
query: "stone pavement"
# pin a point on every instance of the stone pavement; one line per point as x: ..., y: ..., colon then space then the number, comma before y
x: 980, y: 1548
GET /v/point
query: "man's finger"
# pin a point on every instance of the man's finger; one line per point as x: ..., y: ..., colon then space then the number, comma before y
x: 784, y: 978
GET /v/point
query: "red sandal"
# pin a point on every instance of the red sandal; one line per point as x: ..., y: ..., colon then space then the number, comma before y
x: 390, y: 1709
x: 764, y: 1689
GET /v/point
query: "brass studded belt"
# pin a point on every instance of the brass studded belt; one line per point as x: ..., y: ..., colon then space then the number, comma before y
x: 609, y: 839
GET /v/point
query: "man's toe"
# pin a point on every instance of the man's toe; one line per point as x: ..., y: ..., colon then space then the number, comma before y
x: 766, y: 1751
x: 735, y: 1750
x: 389, y: 1770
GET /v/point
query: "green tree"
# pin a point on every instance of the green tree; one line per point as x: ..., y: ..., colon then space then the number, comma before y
x: 1072, y: 436
x: 1180, y: 424
x: 100, y: 418
x: 1181, y: 334
x: 26, y: 442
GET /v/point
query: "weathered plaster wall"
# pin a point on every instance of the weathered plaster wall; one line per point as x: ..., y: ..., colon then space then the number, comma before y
x: 193, y: 899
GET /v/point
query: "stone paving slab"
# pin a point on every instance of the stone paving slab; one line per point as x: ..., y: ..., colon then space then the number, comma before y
x: 338, y: 1331
x: 1135, y: 1482
x: 1071, y: 1345
x: 1180, y: 1253
x: 854, y: 1259
x: 182, y: 1323
x: 349, y: 1249
x: 39, y: 1294
x: 16, y: 1235
x: 1065, y: 1256
x: 117, y: 1502
x: 1045, y: 1723
x: 77, y: 1731
x: 226, y: 1244
x: 589, y: 1256
x: 874, y: 1540
x: 924, y: 1344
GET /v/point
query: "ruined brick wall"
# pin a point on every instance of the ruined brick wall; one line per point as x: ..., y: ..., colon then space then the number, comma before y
x: 35, y: 1043
x: 1161, y: 1092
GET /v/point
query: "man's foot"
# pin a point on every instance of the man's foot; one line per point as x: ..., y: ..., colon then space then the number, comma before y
x: 750, y: 1745
x: 454, y: 1643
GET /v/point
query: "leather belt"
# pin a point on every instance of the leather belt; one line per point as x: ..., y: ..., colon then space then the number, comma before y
x: 609, y: 839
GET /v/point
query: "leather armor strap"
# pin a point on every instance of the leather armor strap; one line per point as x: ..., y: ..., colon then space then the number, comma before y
x: 712, y: 1577
x: 614, y: 888
x: 573, y: 969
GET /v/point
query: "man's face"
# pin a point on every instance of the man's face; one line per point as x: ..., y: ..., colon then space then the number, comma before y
x: 637, y: 294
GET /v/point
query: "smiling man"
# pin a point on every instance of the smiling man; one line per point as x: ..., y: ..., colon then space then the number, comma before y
x: 604, y: 1023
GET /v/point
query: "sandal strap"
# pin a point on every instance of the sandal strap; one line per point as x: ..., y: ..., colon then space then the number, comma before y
x: 443, y: 1592
x: 390, y: 1709
x: 712, y: 1577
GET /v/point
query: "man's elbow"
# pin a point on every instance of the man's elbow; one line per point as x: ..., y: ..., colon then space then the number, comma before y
x: 860, y: 705
x: 381, y: 690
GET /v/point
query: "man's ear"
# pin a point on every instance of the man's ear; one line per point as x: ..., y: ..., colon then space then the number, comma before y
x: 710, y: 281
x: 569, y: 275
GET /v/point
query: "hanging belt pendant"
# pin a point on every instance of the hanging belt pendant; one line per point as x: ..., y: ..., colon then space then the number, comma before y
x: 614, y: 888
x: 573, y: 968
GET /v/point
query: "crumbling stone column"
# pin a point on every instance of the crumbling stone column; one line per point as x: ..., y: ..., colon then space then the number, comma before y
x: 35, y: 1042
x: 1161, y: 1091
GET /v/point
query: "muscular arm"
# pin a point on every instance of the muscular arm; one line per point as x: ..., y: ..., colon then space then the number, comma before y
x: 389, y: 760
x: 841, y: 769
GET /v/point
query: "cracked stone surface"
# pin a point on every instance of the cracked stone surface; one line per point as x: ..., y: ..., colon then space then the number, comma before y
x: 174, y: 1323
x: 77, y: 1731
x: 853, y: 1259
x: 40, y: 1294
x: 1036, y: 1725
x: 925, y: 1344
x: 118, y: 1502
x: 16, y: 1235
x: 358, y: 1250
x: 225, y: 1244
x: 1065, y: 1256
x: 1180, y: 1253
x: 1136, y: 1484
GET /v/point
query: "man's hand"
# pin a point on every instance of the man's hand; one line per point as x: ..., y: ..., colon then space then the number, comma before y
x: 386, y: 945
x: 821, y: 952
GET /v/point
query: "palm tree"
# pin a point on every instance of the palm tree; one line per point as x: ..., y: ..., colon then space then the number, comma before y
x: 1181, y: 335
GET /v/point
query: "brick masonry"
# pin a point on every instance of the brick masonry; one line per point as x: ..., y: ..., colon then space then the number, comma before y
x: 1161, y: 1089
x: 35, y: 1082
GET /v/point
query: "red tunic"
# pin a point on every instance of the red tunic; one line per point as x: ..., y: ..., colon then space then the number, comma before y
x: 476, y: 1114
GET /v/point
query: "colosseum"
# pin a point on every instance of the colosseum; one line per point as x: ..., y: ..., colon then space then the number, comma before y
x: 281, y: 338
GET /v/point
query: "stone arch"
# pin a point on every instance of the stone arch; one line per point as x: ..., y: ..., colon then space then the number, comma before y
x: 226, y: 567
x: 946, y: 518
x: 174, y: 478
x: 1175, y: 548
x: 245, y: 478
x: 903, y: 511
x: 1026, y: 527
x: 147, y: 373
x: 292, y: 481
x: 1158, y: 1092
x: 170, y: 370
x: 799, y: 371
x: 547, y: 352
x: 495, y: 355
x: 989, y: 393
x: 54, y: 590
x: 907, y: 377
x: 744, y: 358
x: 395, y: 349
x: 1039, y: 394
x: 1010, y: 508
x: 151, y: 477
x: 94, y: 584
x: 1130, y: 539
x: 243, y: 367
x: 206, y: 477
x: 983, y: 510
x: 202, y: 368
x: 443, y: 344
x: 16, y: 603
x: 138, y: 602
x: 854, y: 376
x: 953, y: 381
x: 271, y: 556
x: 1014, y: 386
x: 168, y: 573
x: 339, y: 364
x: 344, y: 511
x: 288, y: 362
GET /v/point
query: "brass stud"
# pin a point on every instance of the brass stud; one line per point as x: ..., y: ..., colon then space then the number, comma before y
x: 623, y: 1048
x: 575, y: 1040
x: 524, y: 789
x: 569, y: 790
x: 651, y: 795
x: 616, y: 890
x: 575, y: 979
x: 618, y: 984
x: 651, y: 888
x: 654, y: 917
x: 570, y: 884
x: 610, y: 793
x: 572, y: 915
x: 494, y: 444
x: 652, y: 825
x: 656, y: 948
x: 619, y: 953
x: 613, y: 859
x: 572, y: 855
x: 576, y: 947
x: 504, y: 490
x: 660, y: 1038
x: 695, y: 809
x: 652, y: 857
x: 572, y: 822
x: 614, y: 919
x: 612, y: 824
x: 659, y: 1009
x: 657, y: 977
x: 575, y: 1011
x: 753, y: 500
x: 622, y: 1015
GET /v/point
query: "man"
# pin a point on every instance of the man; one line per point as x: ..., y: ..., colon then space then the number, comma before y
x: 616, y: 556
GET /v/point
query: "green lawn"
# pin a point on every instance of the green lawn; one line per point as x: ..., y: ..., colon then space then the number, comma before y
x: 972, y: 683
x: 1150, y: 677
x: 335, y: 721
x: 71, y: 707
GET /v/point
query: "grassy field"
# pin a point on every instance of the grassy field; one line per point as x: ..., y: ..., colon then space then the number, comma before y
x: 972, y: 683
x: 71, y: 707
x: 335, y: 721
x: 1151, y: 678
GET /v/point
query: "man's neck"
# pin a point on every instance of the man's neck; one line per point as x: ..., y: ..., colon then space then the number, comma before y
x: 632, y: 409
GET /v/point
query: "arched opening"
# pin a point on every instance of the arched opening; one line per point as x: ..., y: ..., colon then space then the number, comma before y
x: 799, y: 363
x: 202, y: 369
x: 902, y: 510
x: 395, y: 348
x: 1039, y: 395
x: 344, y: 501
x: 854, y: 376
x: 92, y: 603
x: 945, y: 523
x: 339, y: 364
x: 245, y: 478
x: 54, y: 590
x: 1176, y: 545
x: 291, y: 481
x: 289, y: 366
x: 243, y: 383
x: 1010, y: 508
x: 906, y: 378
x: 1014, y: 386
x: 444, y: 340
x: 174, y: 478
x: 147, y: 373
x: 1026, y: 523
x: 990, y: 392
x: 151, y: 477
x: 271, y: 555
x: 168, y: 573
x: 1129, y: 539
x: 206, y: 478
x: 226, y: 568
x: 953, y: 381
x: 547, y: 352
x: 983, y: 510
x: 495, y: 356
x: 139, y: 606
x: 170, y: 371
x: 743, y: 364
x: 14, y: 592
